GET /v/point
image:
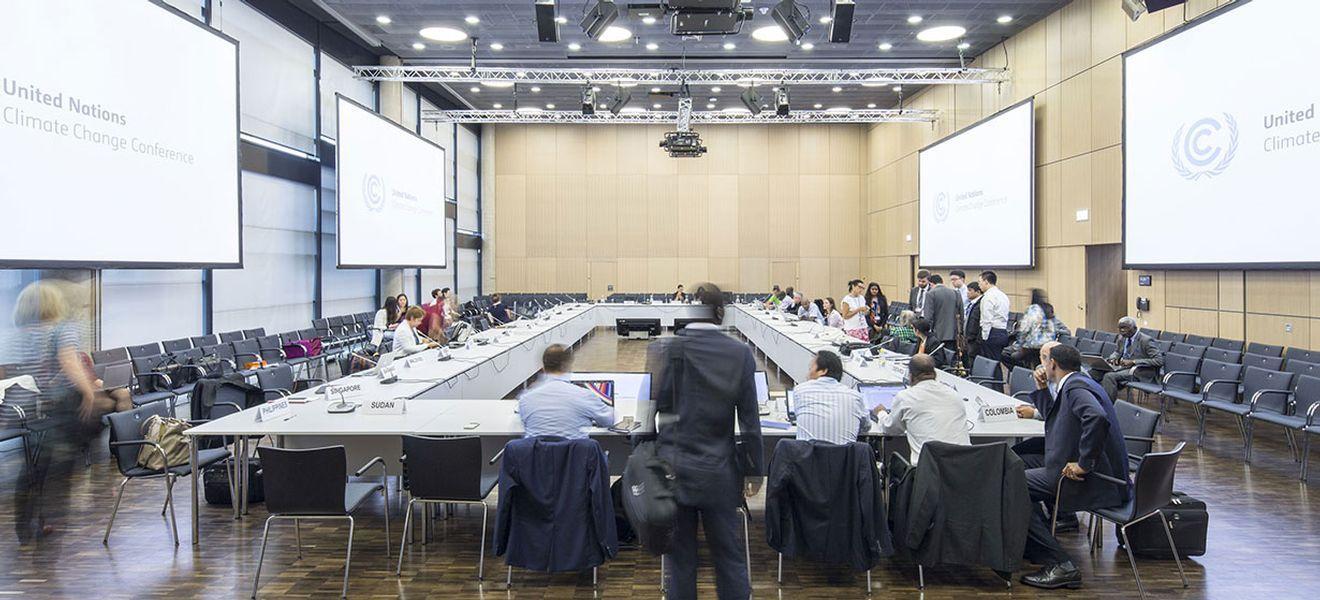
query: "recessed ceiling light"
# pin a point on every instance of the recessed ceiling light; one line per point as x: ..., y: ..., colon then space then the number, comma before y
x: 443, y: 34
x: 497, y: 105
x: 603, y: 105
x: 529, y: 110
x: 825, y: 19
x: 838, y: 109
x: 877, y: 82
x: 1004, y: 19
x: 550, y: 106
x: 897, y: 88
x: 714, y: 99
x: 655, y: 90
x: 816, y: 105
x: 943, y: 33
x: 614, y: 33
x: 575, y: 46
x: 536, y: 89
x: 653, y: 46
x: 595, y: 88
x: 730, y: 45
x: 656, y: 105
x: 964, y: 46
x: 472, y: 19
x: 384, y: 19
x: 914, y: 19
x: 495, y: 83
x: 419, y: 46
x: 497, y: 46
x: 633, y: 109
x: 710, y: 106
x: 561, y: 20
x: 649, y: 20
x: 808, y: 46
x: 871, y: 105
x: 626, y: 83
x: 836, y: 89
x: 474, y: 89
x: 717, y: 89
x: 770, y: 33
x: 886, y: 46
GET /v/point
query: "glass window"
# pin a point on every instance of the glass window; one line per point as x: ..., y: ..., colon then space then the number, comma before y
x: 337, y: 78
x: 469, y: 181
x: 276, y: 79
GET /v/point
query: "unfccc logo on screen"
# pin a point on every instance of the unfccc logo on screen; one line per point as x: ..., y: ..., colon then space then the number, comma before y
x: 941, y: 207
x: 373, y: 192
x: 1205, y: 148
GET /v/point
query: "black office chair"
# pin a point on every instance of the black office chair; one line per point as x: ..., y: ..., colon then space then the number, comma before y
x: 277, y: 381
x: 985, y: 372
x: 179, y: 345
x: 151, y: 349
x: 152, y: 386
x: 230, y: 337
x: 1228, y: 344
x: 1262, y: 361
x: 200, y: 341
x: 252, y: 334
x: 1152, y: 490
x: 1138, y: 425
x: 1090, y: 346
x: 1198, y: 340
x: 1254, y: 383
x: 127, y: 441
x: 110, y: 356
x: 310, y: 484
x: 1083, y: 333
x: 445, y: 471
x: 1293, y: 410
x: 1186, y: 349
x: 1264, y: 349
x: 1171, y: 336
x: 1165, y: 346
x: 1223, y: 355
x: 1067, y: 340
x: 1021, y: 383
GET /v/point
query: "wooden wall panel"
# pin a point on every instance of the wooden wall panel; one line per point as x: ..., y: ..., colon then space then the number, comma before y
x: 632, y: 213
x: 570, y: 219
x: 541, y: 213
x: 602, y: 230
x: 661, y: 207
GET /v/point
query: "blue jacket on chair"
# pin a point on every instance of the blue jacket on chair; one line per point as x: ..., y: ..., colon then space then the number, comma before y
x: 556, y: 513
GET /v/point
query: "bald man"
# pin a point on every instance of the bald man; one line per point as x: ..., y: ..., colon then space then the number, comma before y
x: 927, y: 411
x: 1137, y: 358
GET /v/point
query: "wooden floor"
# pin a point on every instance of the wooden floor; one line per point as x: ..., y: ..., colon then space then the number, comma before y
x: 1264, y: 542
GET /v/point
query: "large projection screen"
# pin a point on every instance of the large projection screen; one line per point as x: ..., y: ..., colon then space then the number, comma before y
x: 119, y: 144
x: 391, y: 193
x: 1222, y: 145
x: 977, y: 192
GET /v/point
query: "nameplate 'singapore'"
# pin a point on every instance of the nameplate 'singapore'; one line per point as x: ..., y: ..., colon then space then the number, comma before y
x: 347, y: 391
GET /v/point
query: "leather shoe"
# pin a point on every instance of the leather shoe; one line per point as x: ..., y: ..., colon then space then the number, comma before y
x: 1065, y: 524
x: 1050, y: 577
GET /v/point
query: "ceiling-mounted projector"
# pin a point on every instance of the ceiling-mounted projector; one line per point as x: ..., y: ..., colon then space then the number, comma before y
x: 683, y: 144
x: 706, y: 17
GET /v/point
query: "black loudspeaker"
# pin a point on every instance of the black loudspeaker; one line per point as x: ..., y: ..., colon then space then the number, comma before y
x: 547, y: 29
x: 1158, y: 5
x: 841, y: 15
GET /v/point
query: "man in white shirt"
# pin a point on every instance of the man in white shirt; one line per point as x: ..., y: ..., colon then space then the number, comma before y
x: 555, y: 406
x: 828, y: 411
x: 994, y: 317
x: 927, y: 411
x: 792, y: 300
x: 854, y: 311
x: 809, y: 311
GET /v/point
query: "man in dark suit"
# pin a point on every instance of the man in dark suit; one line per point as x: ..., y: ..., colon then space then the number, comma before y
x: 944, y: 310
x: 1137, y: 357
x: 1082, y: 443
x: 972, y: 329
x: 917, y: 297
x: 706, y: 383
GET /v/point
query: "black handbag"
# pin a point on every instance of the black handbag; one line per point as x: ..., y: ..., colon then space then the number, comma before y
x: 1188, y: 521
x: 648, y: 498
x: 215, y: 484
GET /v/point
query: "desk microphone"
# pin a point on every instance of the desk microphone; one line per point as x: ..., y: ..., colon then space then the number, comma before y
x: 339, y: 407
x: 442, y: 350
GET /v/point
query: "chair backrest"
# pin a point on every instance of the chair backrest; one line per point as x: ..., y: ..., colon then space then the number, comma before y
x: 1108, y: 348
x: 289, y: 337
x: 304, y: 482
x: 443, y: 468
x: 1307, y: 393
x: 1091, y: 346
x: 1083, y: 333
x: 1105, y: 336
x: 254, y: 333
x: 230, y: 337
x: 224, y: 351
x: 1212, y: 370
x: 111, y: 356
x: 1153, y: 333
x: 248, y: 346
x: 1302, y: 354
x: 269, y: 342
x: 1067, y: 340
x: 1171, y: 336
x: 1302, y: 368
x: 127, y: 427
x: 1164, y: 345
x: 1273, y: 363
x: 1136, y: 421
x: 1199, y: 340
x: 1228, y: 344
x: 323, y: 323
x: 151, y: 349
x: 1255, y: 379
x: 984, y: 367
x: 1181, y: 362
x: 307, y: 334
x: 1222, y: 355
x: 1152, y: 487
x: 1264, y: 349
x: 277, y: 377
x: 179, y: 345
x: 147, y: 364
x: 1186, y: 349
x: 1021, y: 380
x: 204, y: 340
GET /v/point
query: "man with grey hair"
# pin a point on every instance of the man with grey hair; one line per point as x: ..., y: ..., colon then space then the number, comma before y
x: 1137, y: 357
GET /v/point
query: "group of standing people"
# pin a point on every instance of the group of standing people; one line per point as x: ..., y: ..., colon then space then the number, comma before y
x: 424, y: 325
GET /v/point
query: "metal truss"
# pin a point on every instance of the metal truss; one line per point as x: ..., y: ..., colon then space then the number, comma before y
x: 907, y: 115
x: 743, y: 77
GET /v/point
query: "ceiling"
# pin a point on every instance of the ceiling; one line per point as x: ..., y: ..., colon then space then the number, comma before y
x: 511, y: 23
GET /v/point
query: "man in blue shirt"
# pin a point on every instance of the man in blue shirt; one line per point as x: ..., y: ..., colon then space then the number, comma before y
x: 555, y: 406
x: 499, y: 312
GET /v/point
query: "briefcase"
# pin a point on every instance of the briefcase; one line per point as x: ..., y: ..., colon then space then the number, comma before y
x: 648, y: 498
x: 216, y: 486
x: 1188, y: 521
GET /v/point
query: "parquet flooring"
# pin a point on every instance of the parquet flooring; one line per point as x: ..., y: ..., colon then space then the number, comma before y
x: 1264, y: 542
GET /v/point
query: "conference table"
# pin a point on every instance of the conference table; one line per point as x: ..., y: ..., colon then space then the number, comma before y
x: 460, y: 391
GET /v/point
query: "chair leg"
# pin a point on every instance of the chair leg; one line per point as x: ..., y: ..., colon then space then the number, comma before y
x: 747, y: 544
x: 481, y: 553
x: 1306, y: 452
x: 348, y: 557
x: 1245, y: 425
x: 1122, y: 532
x: 297, y: 536
x: 594, y: 580
x: 662, y: 572
x: 120, y: 496
x: 779, y: 576
x: 261, y: 556
x: 1292, y: 443
x: 1200, y: 426
x: 921, y: 577
x: 508, y: 579
x: 403, y: 539
x: 385, y: 489
x: 1173, y: 548
x: 868, y: 581
x: 169, y: 501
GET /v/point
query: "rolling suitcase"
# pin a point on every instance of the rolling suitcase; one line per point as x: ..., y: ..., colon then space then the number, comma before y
x: 1188, y: 521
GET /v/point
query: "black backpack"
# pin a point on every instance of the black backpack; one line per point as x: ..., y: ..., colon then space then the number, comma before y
x: 648, y: 498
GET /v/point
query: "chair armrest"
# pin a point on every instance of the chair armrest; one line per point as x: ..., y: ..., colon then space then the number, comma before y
x: 238, y: 355
x: 1137, y: 438
x: 1022, y: 395
x: 1310, y: 414
x: 168, y: 383
x: 1287, y: 397
x: 1103, y: 477
x: 1214, y: 383
x: 982, y: 381
x: 281, y: 391
x: 18, y: 410
x: 497, y: 457
x: 1169, y: 376
x: 310, y: 381
x: 163, y: 457
x: 375, y: 461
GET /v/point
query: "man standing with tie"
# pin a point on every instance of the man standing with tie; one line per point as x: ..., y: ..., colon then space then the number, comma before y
x: 917, y: 297
x: 1137, y: 357
x: 944, y: 310
x: 972, y: 327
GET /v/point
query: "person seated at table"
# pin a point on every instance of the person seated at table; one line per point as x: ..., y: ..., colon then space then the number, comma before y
x: 555, y: 406
x: 387, y: 318
x: 407, y: 338
x: 921, y: 328
x: 832, y: 316
x: 926, y: 411
x: 809, y: 310
x: 791, y: 301
x: 499, y: 312
x: 827, y: 410
x: 773, y: 300
x: 903, y: 331
x: 679, y: 294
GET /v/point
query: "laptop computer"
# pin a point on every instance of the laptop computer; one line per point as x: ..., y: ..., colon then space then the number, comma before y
x: 879, y: 394
x: 115, y: 376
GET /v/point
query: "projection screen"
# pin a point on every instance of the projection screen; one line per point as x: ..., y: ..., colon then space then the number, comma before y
x: 1222, y: 143
x: 977, y: 194
x: 120, y: 141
